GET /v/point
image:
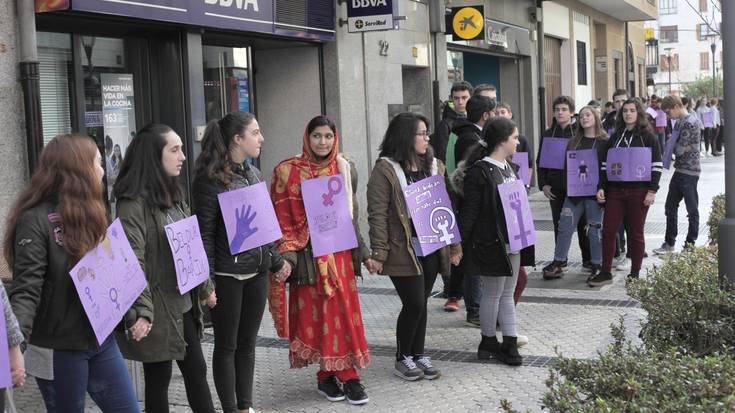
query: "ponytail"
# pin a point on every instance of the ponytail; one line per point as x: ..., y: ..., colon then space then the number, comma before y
x: 214, y: 161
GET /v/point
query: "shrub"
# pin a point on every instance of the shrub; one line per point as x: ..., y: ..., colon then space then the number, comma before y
x: 716, y: 214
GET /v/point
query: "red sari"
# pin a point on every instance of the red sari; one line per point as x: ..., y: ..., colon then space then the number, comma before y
x: 323, y: 322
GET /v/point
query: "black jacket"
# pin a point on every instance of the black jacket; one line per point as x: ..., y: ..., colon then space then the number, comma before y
x: 482, y: 224
x: 609, y: 121
x: 468, y: 134
x: 440, y: 137
x: 43, y: 296
x: 553, y: 177
x: 212, y: 225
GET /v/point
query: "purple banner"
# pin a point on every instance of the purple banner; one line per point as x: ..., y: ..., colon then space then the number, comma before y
x: 629, y: 164
x: 328, y: 215
x: 187, y: 248
x: 521, y: 159
x: 108, y: 280
x: 707, y: 120
x: 250, y: 220
x: 583, y: 172
x: 669, y: 149
x: 432, y: 214
x: 661, y: 119
x: 552, y: 152
x: 6, y: 379
x: 652, y: 112
x: 518, y: 217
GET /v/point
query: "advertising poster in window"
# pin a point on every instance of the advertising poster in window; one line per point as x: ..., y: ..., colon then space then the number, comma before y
x: 118, y: 118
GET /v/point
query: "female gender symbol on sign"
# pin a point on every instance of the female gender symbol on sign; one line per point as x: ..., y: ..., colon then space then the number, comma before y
x: 327, y: 198
x: 442, y: 221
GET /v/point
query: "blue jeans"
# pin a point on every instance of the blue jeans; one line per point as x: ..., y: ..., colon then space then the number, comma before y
x: 570, y: 215
x: 472, y: 295
x: 100, y: 371
x: 682, y: 186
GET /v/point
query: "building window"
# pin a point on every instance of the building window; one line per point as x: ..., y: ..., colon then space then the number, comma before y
x: 704, y: 61
x: 674, y: 62
x: 581, y: 63
x: 704, y: 31
x: 667, y: 6
x: 703, y: 5
x: 669, y: 34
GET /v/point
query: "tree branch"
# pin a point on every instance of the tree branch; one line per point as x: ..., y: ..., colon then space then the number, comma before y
x: 704, y: 18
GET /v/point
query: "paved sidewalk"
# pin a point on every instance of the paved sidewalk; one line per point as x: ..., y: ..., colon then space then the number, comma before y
x: 563, y: 315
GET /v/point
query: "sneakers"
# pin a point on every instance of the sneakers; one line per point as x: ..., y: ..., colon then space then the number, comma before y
x: 430, y: 372
x: 587, y: 264
x: 473, y: 321
x: 624, y: 265
x: 522, y: 340
x: 563, y: 264
x: 330, y: 389
x: 600, y: 279
x: 509, y: 352
x: 407, y: 369
x: 620, y: 259
x: 554, y: 270
x: 355, y: 392
x: 593, y: 272
x: 665, y: 249
x: 451, y: 305
x: 488, y: 347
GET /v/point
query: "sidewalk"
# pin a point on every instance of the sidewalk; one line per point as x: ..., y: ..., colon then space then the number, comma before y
x: 563, y: 314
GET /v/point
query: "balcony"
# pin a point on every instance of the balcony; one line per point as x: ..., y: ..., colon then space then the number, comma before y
x: 625, y: 10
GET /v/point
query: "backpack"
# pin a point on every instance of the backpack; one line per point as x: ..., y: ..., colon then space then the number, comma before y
x: 450, y: 160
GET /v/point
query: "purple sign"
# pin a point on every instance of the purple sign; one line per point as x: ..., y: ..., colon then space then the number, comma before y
x: 108, y: 280
x: 652, y: 112
x: 250, y: 220
x: 629, y: 164
x: 521, y: 159
x: 583, y: 172
x: 5, y: 377
x: 661, y: 119
x: 669, y: 149
x: 433, y: 218
x: 552, y: 152
x: 610, y: 131
x: 328, y: 215
x: 187, y: 248
x: 518, y: 218
x: 707, y: 120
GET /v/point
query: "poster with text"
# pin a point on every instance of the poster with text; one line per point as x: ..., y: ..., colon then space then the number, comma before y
x: 431, y: 211
x: 187, y: 248
x: 328, y: 215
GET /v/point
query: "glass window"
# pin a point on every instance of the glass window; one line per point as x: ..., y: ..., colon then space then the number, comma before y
x: 455, y: 65
x: 667, y: 6
x: 669, y: 34
x: 226, y: 80
x: 581, y: 63
x: 55, y: 79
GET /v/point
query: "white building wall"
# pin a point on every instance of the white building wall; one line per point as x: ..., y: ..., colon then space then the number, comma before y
x: 582, y: 33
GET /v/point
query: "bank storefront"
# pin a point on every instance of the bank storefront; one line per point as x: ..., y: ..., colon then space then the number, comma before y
x: 107, y: 67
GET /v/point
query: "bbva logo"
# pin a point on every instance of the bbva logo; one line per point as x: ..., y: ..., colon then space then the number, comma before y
x: 240, y: 4
x: 356, y: 4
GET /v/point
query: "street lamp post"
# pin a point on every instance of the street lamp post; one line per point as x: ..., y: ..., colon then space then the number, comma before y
x: 726, y: 262
x: 713, y: 46
x: 668, y: 61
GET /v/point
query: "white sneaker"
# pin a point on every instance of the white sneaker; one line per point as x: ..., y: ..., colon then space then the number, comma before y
x: 521, y: 340
x: 624, y: 265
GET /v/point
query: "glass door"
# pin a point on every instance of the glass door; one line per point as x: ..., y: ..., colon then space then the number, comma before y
x: 227, y: 80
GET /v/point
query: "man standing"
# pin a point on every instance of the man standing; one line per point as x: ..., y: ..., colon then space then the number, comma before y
x: 487, y: 90
x: 619, y: 97
x: 683, y: 183
x: 460, y: 94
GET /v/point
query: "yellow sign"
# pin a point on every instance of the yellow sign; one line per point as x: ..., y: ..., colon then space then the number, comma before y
x: 468, y: 23
x: 649, y: 33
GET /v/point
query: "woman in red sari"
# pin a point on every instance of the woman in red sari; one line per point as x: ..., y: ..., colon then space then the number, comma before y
x: 322, y: 318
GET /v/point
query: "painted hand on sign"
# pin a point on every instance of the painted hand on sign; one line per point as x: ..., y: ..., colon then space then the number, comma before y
x: 515, y: 204
x: 244, y: 219
x: 331, y: 184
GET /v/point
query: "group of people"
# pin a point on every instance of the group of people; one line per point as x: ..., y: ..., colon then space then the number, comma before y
x: 61, y: 216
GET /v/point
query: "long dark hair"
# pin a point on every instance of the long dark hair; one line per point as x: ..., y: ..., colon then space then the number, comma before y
x: 214, y: 161
x: 66, y: 174
x: 399, y: 142
x: 641, y: 124
x: 142, y: 174
x: 497, y: 131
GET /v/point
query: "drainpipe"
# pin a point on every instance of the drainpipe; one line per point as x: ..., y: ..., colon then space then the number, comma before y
x: 726, y: 232
x: 540, y: 63
x: 627, y: 63
x: 29, y: 79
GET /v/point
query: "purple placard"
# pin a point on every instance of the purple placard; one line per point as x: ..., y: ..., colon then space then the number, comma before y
x: 707, y: 120
x: 108, y: 280
x: 583, y: 172
x: 328, y: 215
x: 669, y: 149
x: 250, y: 220
x: 518, y: 217
x: 521, y: 159
x: 432, y: 214
x: 629, y: 164
x: 661, y: 119
x: 652, y: 112
x: 6, y: 379
x: 552, y: 152
x: 187, y: 248
x: 610, y: 132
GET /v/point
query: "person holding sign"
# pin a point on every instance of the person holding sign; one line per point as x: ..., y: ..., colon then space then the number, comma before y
x: 241, y: 279
x: 58, y: 218
x: 585, y: 150
x: 629, y: 174
x: 163, y: 325
x: 322, y: 318
x: 406, y: 158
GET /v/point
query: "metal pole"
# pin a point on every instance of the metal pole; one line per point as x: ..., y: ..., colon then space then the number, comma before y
x: 727, y: 226
x: 714, y: 86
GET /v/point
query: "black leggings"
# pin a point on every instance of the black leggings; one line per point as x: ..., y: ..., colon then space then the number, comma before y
x: 236, y: 319
x: 193, y: 368
x: 414, y: 292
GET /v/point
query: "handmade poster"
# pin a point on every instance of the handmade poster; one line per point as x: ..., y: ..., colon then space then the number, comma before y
x: 108, y: 280
x: 328, y: 215
x: 552, y: 152
x: 5, y: 377
x: 661, y: 119
x: 629, y: 164
x: 652, y: 112
x: 518, y: 218
x: 669, y: 149
x: 707, y: 120
x: 432, y: 214
x: 187, y: 248
x: 250, y: 220
x: 521, y: 159
x: 583, y: 172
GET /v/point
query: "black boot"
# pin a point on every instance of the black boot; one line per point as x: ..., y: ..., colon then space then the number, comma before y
x: 509, y: 352
x: 488, y: 347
